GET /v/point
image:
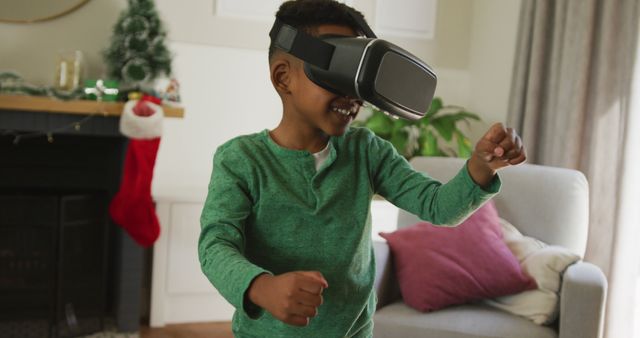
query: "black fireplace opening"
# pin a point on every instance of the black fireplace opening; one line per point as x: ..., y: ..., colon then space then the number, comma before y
x: 53, y: 263
x: 65, y: 268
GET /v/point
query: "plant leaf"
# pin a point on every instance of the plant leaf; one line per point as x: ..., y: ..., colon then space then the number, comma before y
x: 429, y: 144
x: 445, y: 125
x: 400, y: 124
x: 463, y: 115
x: 436, y: 105
x: 464, y: 145
x: 380, y: 124
x: 437, y: 131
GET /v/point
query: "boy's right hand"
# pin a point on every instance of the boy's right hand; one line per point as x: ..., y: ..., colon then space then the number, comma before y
x: 291, y: 297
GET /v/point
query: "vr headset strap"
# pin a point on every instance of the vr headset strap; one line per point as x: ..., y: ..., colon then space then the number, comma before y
x: 368, y: 32
x: 301, y: 45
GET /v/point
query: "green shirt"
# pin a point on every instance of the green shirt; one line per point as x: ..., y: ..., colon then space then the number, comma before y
x: 269, y: 210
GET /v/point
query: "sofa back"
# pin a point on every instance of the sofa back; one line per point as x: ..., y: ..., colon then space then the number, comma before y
x: 548, y: 203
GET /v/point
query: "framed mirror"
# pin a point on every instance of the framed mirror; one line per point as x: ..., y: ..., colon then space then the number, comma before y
x: 28, y: 11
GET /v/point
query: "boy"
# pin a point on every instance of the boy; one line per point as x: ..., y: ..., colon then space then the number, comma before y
x: 286, y: 230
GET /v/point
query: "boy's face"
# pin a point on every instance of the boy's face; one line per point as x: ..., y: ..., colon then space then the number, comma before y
x: 313, y: 107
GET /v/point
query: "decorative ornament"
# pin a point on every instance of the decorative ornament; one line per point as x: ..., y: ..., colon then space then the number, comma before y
x: 141, y: 119
x: 69, y: 70
x: 134, y: 95
x: 132, y: 207
x: 101, y: 90
x: 168, y: 89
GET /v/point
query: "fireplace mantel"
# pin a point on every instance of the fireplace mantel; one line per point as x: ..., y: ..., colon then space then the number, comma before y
x: 23, y: 113
x: 81, y: 107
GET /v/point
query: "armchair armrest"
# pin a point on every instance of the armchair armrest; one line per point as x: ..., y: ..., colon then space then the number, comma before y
x: 582, y: 301
x: 386, y: 285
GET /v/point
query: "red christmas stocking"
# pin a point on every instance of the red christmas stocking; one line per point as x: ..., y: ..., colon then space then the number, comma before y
x: 132, y: 207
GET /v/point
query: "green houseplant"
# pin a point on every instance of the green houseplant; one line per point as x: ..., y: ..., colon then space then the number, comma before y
x: 436, y: 134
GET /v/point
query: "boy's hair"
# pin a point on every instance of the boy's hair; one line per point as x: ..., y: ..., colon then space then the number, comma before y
x: 308, y: 14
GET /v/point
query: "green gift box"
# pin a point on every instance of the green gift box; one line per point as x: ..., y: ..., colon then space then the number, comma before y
x: 101, y: 90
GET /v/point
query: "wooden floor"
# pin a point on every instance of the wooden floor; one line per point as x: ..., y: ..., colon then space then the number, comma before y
x: 193, y: 330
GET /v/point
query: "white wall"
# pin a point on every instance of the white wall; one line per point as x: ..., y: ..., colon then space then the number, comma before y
x: 493, y: 39
x: 226, y: 92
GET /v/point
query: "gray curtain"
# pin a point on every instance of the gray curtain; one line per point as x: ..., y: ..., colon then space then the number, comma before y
x: 570, y: 100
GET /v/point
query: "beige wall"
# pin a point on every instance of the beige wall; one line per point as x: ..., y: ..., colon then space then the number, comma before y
x: 450, y: 47
x: 24, y: 10
x: 31, y: 49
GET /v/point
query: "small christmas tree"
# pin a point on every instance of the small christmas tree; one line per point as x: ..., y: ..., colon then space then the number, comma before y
x: 138, y: 53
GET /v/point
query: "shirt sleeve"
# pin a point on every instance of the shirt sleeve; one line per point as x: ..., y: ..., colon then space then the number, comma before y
x: 441, y: 204
x: 221, y: 245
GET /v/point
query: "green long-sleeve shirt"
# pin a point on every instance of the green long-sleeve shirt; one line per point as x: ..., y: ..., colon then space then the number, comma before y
x: 269, y: 210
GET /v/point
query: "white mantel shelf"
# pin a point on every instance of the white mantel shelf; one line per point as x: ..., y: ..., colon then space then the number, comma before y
x: 80, y: 107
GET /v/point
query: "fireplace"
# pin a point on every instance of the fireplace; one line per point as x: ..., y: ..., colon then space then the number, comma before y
x: 65, y: 268
x: 53, y: 269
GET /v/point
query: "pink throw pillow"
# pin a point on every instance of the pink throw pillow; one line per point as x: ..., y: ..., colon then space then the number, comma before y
x: 437, y: 266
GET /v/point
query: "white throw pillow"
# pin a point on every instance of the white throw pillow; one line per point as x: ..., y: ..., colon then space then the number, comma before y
x: 544, y: 263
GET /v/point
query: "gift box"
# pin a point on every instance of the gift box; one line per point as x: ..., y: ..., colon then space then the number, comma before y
x: 101, y: 90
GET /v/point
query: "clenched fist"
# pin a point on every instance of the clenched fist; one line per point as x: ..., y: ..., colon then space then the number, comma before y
x: 498, y: 148
x: 292, y: 297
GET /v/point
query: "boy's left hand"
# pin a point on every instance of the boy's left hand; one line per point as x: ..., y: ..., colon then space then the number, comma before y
x: 498, y: 148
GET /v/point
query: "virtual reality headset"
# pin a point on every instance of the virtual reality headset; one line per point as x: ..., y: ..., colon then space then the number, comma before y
x: 369, y: 69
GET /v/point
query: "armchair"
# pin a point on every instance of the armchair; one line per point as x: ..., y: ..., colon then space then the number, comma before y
x: 547, y: 203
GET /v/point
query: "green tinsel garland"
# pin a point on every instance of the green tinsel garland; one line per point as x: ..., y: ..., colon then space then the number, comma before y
x: 14, y: 84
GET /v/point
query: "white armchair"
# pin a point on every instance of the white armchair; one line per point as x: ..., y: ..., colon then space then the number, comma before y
x: 547, y: 203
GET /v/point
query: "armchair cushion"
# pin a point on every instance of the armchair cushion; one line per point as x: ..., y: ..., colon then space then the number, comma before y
x: 438, y: 267
x: 545, y: 264
x: 475, y: 320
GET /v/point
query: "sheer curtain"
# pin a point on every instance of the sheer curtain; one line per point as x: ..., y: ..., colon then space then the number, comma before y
x: 626, y: 257
x: 572, y: 101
